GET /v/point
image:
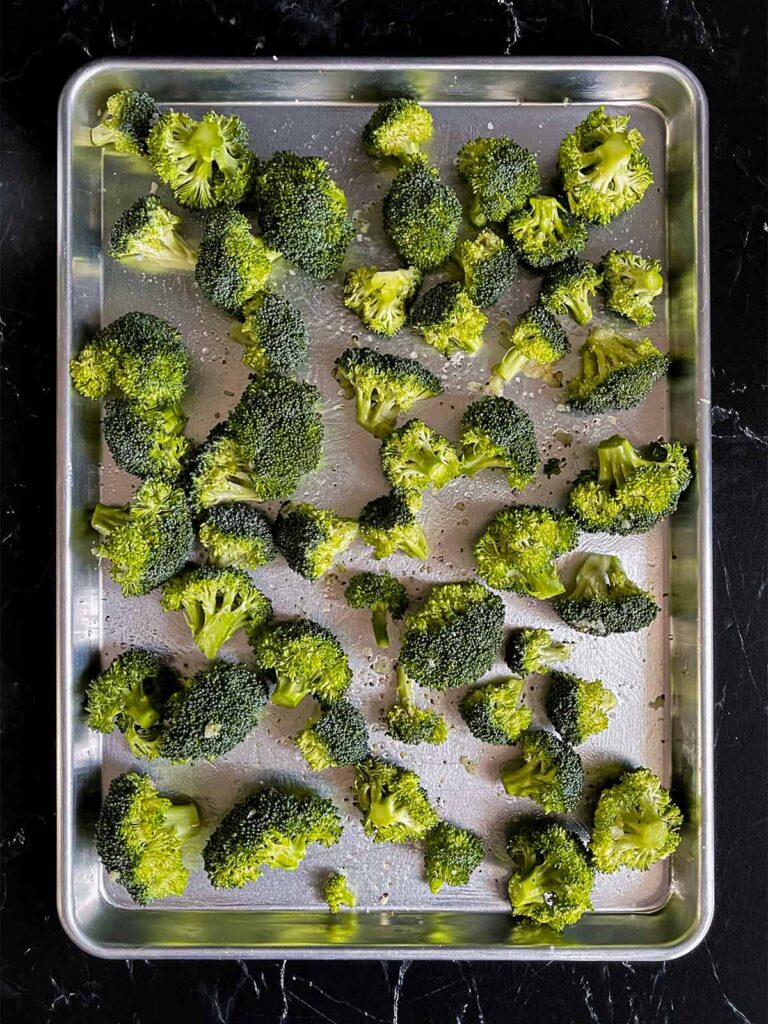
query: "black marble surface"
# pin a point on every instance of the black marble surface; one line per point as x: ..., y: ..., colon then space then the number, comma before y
x: 44, y: 977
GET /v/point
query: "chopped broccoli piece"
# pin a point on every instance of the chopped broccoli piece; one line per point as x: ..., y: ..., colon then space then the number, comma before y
x: 146, y: 442
x: 493, y: 713
x: 381, y: 297
x: 146, y: 237
x: 534, y: 650
x: 548, y: 771
x: 221, y: 472
x: 497, y: 434
x: 578, y: 708
x: 568, y: 287
x: 421, y: 216
x: 616, y: 372
x: 448, y: 319
x: 338, y: 737
x: 336, y: 893
x: 393, y: 802
x: 415, y: 457
x: 233, y: 264
x: 451, y: 855
x: 305, y: 659
x: 409, y: 723
x: 237, y: 536
x: 489, y: 267
x: 501, y: 175
x: 126, y: 122
x: 603, y: 600
x: 630, y: 283
x: 544, y: 233
x: 536, y: 338
x: 311, y: 539
x: 388, y: 525
x: 383, y: 595
x: 397, y: 129
x: 274, y: 335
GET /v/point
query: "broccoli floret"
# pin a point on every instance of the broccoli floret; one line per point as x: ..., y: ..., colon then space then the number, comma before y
x: 381, y: 297
x: 616, y: 372
x: 544, y: 232
x: 448, y: 319
x: 311, y: 539
x: 397, y: 129
x: 536, y: 338
x: 216, y: 604
x: 493, y: 712
x: 126, y: 122
x: 303, y: 212
x: 336, y: 893
x: 274, y: 335
x: 455, y: 636
x: 148, y: 540
x: 233, y: 264
x: 205, y: 163
x: 489, y: 267
x: 534, y: 650
x: 383, y: 594
x: 552, y: 878
x: 603, y: 167
x: 409, y: 723
x: 630, y: 492
x: 237, y: 535
x: 630, y: 283
x: 497, y: 434
x: 451, y: 855
x: 603, y: 600
x: 518, y: 548
x: 636, y: 823
x: 338, y: 737
x: 139, y: 838
x: 305, y: 659
x: 271, y: 828
x: 578, y: 708
x: 501, y: 175
x: 421, y: 216
x: 146, y: 442
x: 393, y: 802
x: 548, y: 771
x: 388, y: 524
x: 568, y: 287
x: 146, y: 237
x: 221, y: 472
x: 415, y: 457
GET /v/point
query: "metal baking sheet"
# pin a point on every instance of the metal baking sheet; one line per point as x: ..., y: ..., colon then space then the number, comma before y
x: 662, y: 676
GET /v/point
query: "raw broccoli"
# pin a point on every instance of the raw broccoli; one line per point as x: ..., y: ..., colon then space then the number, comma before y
x: 274, y: 335
x: 578, y: 708
x: 409, y: 723
x: 146, y: 237
x: 534, y: 650
x: 336, y: 893
x: 388, y: 524
x: 489, y: 267
x: 305, y: 659
x: 544, y: 232
x: 220, y: 472
x: 603, y: 600
x: 518, y: 548
x: 421, y: 216
x: 630, y: 284
x: 616, y: 372
x: 146, y: 442
x: 548, y: 771
x: 311, y: 539
x: 448, y: 319
x: 303, y: 212
x: 493, y: 713
x: 497, y: 434
x: 383, y: 594
x: 381, y: 297
x: 501, y: 175
x: 603, y: 167
x: 216, y: 604
x: 636, y: 823
x: 451, y: 855
x: 233, y: 264
x: 205, y: 163
x: 397, y: 129
x: 552, y: 877
x: 237, y: 535
x: 126, y: 122
x: 454, y: 637
x: 630, y: 492
x: 395, y: 807
x: 383, y: 386
x: 536, y: 338
x: 148, y: 540
x: 415, y: 457
x: 568, y: 287
x: 338, y: 737
x: 272, y: 828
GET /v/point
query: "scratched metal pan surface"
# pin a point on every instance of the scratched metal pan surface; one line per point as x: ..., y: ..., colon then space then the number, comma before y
x: 662, y: 676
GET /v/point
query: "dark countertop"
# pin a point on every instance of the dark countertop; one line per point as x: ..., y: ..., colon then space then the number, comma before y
x: 44, y: 977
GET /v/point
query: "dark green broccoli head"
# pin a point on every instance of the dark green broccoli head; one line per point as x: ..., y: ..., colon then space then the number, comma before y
x: 220, y: 472
x: 146, y: 442
x: 381, y: 297
x: 233, y: 264
x: 383, y: 594
x: 603, y: 600
x: 536, y: 339
x: 336, y: 893
x: 578, y: 708
x: 125, y: 123
x: 448, y: 319
x: 305, y: 659
x: 393, y: 802
x: 237, y: 535
x: 409, y: 723
x: 501, y: 175
x: 388, y: 524
x: 397, y: 129
x: 451, y: 855
x: 489, y: 267
x: 616, y: 372
x: 497, y: 434
x: 493, y: 712
x: 146, y: 237
x: 568, y: 288
x: 630, y: 283
x: 274, y: 335
x: 544, y: 232
x: 534, y: 650
x: 311, y: 539
x: 415, y: 457
x: 421, y: 216
x: 548, y: 771
x: 339, y: 737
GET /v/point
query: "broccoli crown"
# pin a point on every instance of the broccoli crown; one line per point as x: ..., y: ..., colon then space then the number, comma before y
x: 535, y: 338
x: 233, y: 264
x: 451, y: 855
x: 497, y: 434
x: 548, y: 771
x: 630, y: 492
x: 568, y: 287
x: 636, y: 823
x: 489, y: 267
x: 578, y: 708
x: 544, y: 232
x: 271, y: 828
x: 381, y: 297
x: 409, y: 723
x: 603, y: 600
x: 139, y: 838
x: 616, y: 372
x: 552, y: 877
x: 493, y: 712
x: 448, y: 319
x: 148, y: 540
x: 383, y: 594
x: 220, y: 472
x: 146, y: 237
x: 534, y: 650
x: 397, y: 129
x: 383, y: 386
x: 337, y: 738
x: 630, y: 283
x: 415, y: 457
x: 126, y: 122
x: 501, y: 175
x: 388, y: 524
x: 237, y: 535
x: 393, y: 802
x: 454, y: 637
x: 205, y: 163
x: 216, y: 604
x: 336, y: 893
x: 303, y: 212
x: 421, y: 216
x: 274, y: 335
x: 518, y: 548
x: 146, y: 442
x: 311, y: 539
x: 139, y: 356
x: 305, y: 659
x: 603, y: 167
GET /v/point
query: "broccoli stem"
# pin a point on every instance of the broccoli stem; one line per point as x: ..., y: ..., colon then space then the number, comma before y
x: 578, y: 304
x: 644, y: 835
x: 533, y: 889
x: 286, y: 854
x: 478, y: 461
x: 646, y: 284
x: 107, y: 518
x: 141, y: 710
x: 103, y: 135
x: 216, y: 629
x: 511, y: 364
x: 380, y: 630
x: 413, y: 542
x: 544, y: 584
x: 239, y: 487
x: 617, y: 460
x: 476, y: 215
x: 609, y: 162
x: 170, y: 251
x: 182, y: 819
x: 404, y: 689
x: 385, y: 811
x: 379, y: 419
x: 288, y: 693
x: 526, y: 778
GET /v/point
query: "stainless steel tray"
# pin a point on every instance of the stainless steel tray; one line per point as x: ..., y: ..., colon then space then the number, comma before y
x: 663, y: 677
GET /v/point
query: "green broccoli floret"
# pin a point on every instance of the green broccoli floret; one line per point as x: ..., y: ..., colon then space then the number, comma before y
x: 381, y: 297
x: 221, y: 472
x: 534, y: 650
x: 272, y: 828
x: 397, y: 129
x: 544, y: 232
x: 518, y: 548
x: 603, y: 167
x: 421, y: 216
x: 338, y: 737
x: 388, y: 524
x: 630, y: 283
x: 603, y: 600
x: 125, y: 123
x: 568, y: 287
x: 448, y: 319
x: 146, y: 442
x: 303, y: 212
x: 536, y: 338
x: 383, y: 595
x: 630, y: 492
x: 501, y: 175
x: 548, y: 771
x: 146, y: 237
x: 237, y: 535
x: 489, y: 267
x: 274, y: 335
x: 497, y: 434
x: 415, y: 457
x: 311, y: 539
x: 305, y: 659
x: 493, y: 712
x: 454, y: 637
x: 552, y: 877
x: 383, y: 386
x: 233, y: 264
x: 336, y: 893
x: 578, y: 708
x: 409, y: 723
x: 616, y: 372
x: 205, y: 163
x: 216, y: 604
x: 148, y: 540
x: 393, y: 802
x: 636, y: 823
x: 451, y: 855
